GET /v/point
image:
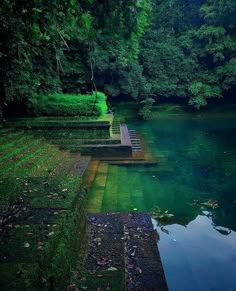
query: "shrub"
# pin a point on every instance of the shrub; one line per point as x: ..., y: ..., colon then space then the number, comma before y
x: 65, y: 104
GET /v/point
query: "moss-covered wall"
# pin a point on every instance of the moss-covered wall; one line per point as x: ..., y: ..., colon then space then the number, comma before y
x: 42, y: 212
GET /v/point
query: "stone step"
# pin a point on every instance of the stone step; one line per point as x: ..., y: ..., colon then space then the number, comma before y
x: 126, y: 244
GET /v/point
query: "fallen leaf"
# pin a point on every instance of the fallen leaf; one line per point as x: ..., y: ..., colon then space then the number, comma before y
x: 102, y: 263
x: 26, y: 245
x: 112, y: 269
x: 99, y: 275
x: 170, y: 215
x: 133, y: 254
x: 130, y: 266
x: 139, y: 270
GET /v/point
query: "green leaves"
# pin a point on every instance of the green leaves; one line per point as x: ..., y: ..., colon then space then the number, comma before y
x: 138, y: 48
x: 201, y: 92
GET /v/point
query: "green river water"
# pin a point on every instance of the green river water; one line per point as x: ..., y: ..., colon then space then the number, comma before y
x: 196, y: 163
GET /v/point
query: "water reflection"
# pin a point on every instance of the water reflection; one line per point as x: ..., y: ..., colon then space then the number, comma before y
x: 195, y: 180
x: 198, y: 256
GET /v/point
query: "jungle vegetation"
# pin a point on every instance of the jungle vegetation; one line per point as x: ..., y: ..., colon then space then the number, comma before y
x: 137, y: 48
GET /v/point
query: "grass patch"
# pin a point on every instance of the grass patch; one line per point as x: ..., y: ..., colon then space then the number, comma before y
x: 9, y: 143
x: 22, y: 160
x: 65, y: 104
x: 51, y: 192
x: 18, y: 149
x: 105, y: 280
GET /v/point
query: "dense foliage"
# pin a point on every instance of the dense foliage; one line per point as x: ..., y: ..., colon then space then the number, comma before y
x: 142, y: 49
x: 71, y: 105
x: 54, y: 46
x: 190, y: 50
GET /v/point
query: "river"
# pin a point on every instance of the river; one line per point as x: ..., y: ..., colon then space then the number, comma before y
x: 195, y: 182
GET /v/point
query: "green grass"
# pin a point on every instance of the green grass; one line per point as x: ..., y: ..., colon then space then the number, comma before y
x: 58, y: 104
x: 74, y: 134
x: 105, y: 280
x: 12, y: 139
x: 15, y: 150
x: 21, y: 161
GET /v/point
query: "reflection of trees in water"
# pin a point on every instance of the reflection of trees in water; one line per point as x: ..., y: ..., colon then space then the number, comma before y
x: 224, y: 216
x: 198, y: 161
x: 222, y: 230
x: 203, y: 172
x: 203, y: 160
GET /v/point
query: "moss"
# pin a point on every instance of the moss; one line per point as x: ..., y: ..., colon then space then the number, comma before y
x: 24, y: 164
x: 62, y: 250
x: 50, y: 164
x: 64, y: 168
x: 43, y: 223
x: 44, y: 192
x: 18, y: 277
x: 65, y: 104
x: 105, y: 280
x: 16, y: 140
x: 9, y: 189
x: 74, y: 133
x: 53, y: 243
x: 19, y: 149
x: 7, y: 137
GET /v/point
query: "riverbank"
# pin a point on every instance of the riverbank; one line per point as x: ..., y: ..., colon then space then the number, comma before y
x: 44, y: 192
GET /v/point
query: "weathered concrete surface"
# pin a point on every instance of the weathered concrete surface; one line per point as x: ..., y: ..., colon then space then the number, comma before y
x: 126, y: 242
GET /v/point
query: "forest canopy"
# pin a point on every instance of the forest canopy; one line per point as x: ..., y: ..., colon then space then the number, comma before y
x: 138, y: 48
